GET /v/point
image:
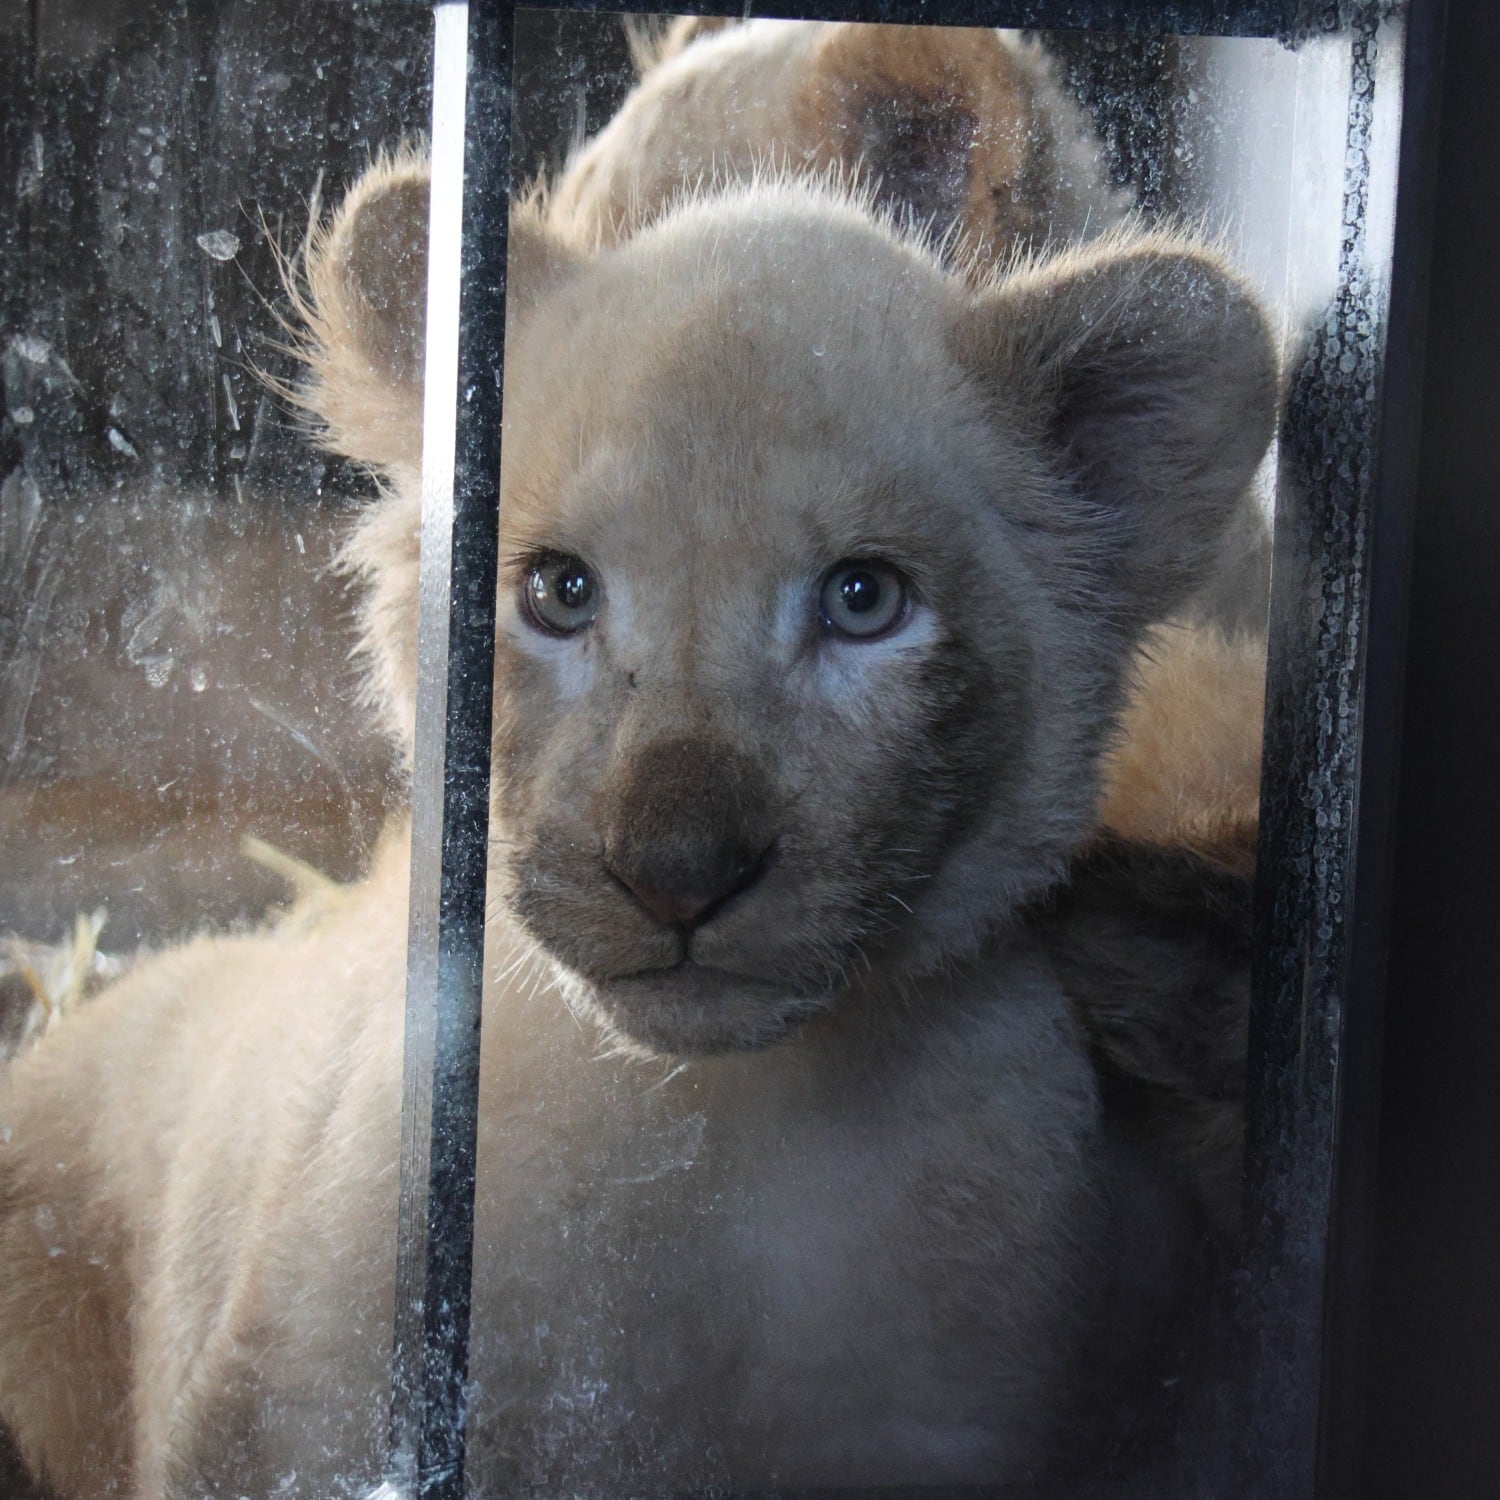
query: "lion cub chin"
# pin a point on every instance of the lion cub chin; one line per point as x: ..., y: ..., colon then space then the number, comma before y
x: 822, y: 570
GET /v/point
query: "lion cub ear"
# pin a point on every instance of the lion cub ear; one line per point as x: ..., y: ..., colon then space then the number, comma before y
x: 1147, y: 371
x: 365, y: 314
x: 366, y: 308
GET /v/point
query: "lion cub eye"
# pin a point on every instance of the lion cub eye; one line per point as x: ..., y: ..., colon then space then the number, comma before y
x: 863, y: 599
x: 560, y: 595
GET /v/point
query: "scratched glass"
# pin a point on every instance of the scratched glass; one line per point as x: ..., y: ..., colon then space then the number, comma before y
x: 749, y: 1215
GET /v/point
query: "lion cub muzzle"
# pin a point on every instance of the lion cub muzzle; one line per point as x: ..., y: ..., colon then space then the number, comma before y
x: 689, y: 831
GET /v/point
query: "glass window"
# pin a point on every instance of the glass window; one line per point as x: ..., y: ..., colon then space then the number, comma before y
x: 186, y: 752
x: 911, y: 1015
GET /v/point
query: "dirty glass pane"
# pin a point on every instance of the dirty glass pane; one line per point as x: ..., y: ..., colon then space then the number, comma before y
x: 880, y: 674
x: 186, y: 751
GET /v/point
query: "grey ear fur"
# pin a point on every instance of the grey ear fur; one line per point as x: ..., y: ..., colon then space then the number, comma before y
x: 365, y: 313
x: 365, y: 308
x: 959, y: 127
x: 1147, y: 372
x: 901, y: 105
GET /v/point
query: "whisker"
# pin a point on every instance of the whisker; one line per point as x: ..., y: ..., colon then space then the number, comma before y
x: 664, y: 1081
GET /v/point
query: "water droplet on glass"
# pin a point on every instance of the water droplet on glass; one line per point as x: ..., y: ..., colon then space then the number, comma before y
x: 222, y: 244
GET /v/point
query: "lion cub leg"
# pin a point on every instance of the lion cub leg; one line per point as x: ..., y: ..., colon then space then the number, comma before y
x: 65, y: 1366
x: 196, y: 1393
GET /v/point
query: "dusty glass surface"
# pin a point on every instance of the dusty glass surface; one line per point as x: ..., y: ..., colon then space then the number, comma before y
x: 185, y: 750
x: 865, y: 1038
x: 175, y: 648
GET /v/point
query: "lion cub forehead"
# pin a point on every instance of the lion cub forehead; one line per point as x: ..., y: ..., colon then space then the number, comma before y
x: 776, y: 518
x: 774, y: 316
x: 790, y: 227
x: 771, y: 259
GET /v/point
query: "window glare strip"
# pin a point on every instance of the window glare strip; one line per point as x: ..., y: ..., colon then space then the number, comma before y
x: 460, y: 507
x: 450, y: 53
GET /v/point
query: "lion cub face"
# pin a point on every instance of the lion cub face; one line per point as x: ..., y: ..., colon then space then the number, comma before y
x: 819, y: 571
x: 766, y: 649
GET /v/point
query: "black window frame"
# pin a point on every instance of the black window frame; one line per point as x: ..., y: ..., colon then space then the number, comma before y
x: 1337, y: 643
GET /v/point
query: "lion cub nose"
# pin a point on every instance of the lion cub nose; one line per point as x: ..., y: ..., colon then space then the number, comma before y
x: 688, y: 828
x: 686, y: 892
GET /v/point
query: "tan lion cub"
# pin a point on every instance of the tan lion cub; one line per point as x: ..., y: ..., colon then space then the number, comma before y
x: 822, y: 572
x: 961, y: 127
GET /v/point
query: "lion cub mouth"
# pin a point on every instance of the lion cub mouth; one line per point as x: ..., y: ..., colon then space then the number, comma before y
x: 693, y: 1009
x: 687, y: 971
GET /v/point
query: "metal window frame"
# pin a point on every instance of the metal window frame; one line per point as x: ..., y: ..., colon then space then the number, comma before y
x: 1337, y: 646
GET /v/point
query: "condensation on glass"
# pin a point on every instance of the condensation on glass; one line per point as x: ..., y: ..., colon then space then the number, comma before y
x: 186, y: 741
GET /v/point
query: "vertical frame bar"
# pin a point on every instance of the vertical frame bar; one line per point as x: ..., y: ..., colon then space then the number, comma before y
x: 1333, y: 695
x: 1305, y: 872
x: 450, y: 804
x: 1341, y: 1453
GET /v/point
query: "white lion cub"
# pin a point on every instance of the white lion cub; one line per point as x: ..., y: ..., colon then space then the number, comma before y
x: 822, y: 569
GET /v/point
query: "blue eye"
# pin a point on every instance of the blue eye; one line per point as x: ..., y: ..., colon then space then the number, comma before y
x: 863, y: 599
x: 560, y: 595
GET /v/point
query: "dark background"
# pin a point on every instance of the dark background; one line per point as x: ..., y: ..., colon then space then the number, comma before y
x: 1435, y: 1375
x: 220, y: 105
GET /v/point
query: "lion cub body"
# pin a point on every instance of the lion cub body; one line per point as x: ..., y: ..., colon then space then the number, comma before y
x: 726, y: 1273
x: 810, y: 1189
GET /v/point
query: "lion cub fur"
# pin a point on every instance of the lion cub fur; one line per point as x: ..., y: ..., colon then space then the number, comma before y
x: 819, y: 1191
